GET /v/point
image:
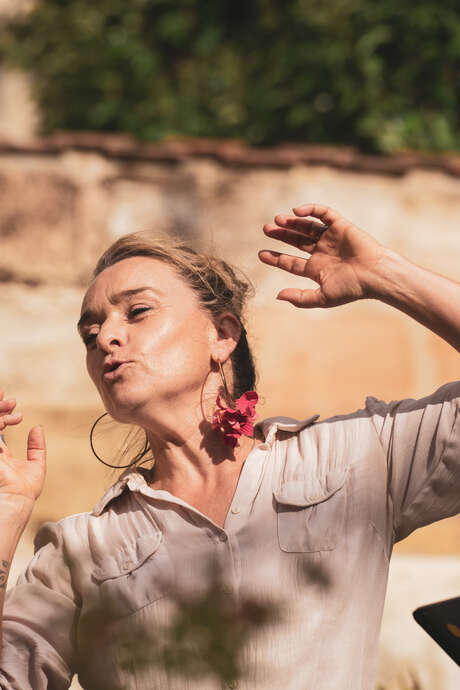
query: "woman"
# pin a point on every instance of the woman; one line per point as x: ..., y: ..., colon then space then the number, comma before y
x: 164, y: 340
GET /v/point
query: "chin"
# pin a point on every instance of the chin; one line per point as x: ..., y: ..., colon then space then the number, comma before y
x: 123, y: 407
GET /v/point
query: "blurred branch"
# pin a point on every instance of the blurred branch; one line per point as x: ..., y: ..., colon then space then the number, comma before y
x: 207, y: 633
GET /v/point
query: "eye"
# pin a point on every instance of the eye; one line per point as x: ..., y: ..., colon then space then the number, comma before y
x: 135, y: 311
x: 89, y: 338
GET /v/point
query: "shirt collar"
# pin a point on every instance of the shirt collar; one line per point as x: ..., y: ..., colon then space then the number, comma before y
x: 134, y: 478
x: 130, y: 479
x: 271, y: 425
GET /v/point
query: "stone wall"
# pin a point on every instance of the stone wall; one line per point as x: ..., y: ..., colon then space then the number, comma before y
x: 63, y: 201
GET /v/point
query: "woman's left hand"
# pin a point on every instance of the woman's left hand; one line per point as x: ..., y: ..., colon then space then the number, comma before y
x: 342, y: 259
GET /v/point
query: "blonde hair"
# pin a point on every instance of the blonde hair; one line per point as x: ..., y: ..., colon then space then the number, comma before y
x: 219, y: 286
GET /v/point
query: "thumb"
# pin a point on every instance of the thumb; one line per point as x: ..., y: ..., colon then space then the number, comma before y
x: 36, y: 445
x: 305, y: 299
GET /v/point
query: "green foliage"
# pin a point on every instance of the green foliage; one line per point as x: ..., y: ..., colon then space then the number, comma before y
x: 207, y: 633
x: 384, y: 76
x: 206, y: 637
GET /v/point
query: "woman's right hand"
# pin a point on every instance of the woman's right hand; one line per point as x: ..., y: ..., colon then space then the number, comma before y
x: 21, y: 478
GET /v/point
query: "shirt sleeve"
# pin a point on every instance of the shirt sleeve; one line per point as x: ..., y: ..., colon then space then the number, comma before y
x: 39, y: 619
x: 421, y: 441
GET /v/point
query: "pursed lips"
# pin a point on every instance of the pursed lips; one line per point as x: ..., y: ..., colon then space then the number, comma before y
x: 114, y: 368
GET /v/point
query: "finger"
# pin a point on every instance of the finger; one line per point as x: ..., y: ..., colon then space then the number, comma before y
x: 306, y: 226
x: 304, y: 299
x: 292, y: 264
x: 36, y: 445
x: 324, y: 213
x: 10, y: 420
x: 7, y: 405
x: 295, y: 239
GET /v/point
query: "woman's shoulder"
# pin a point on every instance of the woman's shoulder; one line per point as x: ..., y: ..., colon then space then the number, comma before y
x: 96, y: 542
x: 281, y: 427
x: 113, y: 512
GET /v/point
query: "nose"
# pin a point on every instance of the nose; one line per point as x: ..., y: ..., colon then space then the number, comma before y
x: 111, y: 334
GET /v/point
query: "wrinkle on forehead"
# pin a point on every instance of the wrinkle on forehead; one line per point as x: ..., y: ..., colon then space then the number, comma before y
x: 163, y: 280
x: 133, y: 272
x: 89, y: 314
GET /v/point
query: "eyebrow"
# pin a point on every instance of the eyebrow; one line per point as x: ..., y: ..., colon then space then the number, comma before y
x: 89, y: 315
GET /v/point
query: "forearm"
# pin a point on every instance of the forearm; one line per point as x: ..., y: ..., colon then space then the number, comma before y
x: 430, y: 299
x: 15, y: 512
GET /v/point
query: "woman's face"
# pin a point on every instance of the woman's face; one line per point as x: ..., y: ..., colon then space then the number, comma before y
x: 148, y: 340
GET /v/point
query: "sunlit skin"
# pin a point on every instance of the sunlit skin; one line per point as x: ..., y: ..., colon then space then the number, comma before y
x: 142, y: 313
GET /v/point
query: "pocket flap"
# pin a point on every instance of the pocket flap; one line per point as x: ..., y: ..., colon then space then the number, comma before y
x: 318, y: 489
x: 128, y: 557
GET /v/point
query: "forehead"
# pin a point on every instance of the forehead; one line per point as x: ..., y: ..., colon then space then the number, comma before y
x: 133, y: 273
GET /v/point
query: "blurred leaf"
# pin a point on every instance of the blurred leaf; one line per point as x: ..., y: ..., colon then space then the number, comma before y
x: 381, y: 76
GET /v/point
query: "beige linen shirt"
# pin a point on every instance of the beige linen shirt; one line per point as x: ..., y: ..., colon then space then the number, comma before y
x: 336, y: 494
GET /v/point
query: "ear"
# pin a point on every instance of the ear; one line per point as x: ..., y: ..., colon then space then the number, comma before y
x: 226, y: 334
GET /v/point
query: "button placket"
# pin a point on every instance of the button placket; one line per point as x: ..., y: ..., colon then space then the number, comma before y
x: 248, y: 485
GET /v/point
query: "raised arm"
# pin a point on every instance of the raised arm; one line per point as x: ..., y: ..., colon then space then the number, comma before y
x: 348, y: 264
x: 21, y: 482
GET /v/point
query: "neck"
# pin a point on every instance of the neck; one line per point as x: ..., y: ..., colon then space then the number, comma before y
x: 196, y: 461
x: 187, y: 452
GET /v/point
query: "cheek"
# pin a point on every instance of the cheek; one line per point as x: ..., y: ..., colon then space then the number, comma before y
x: 91, y: 368
x: 186, y: 350
x: 193, y: 345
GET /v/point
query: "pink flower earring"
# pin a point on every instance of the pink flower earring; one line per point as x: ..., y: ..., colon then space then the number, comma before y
x: 234, y: 421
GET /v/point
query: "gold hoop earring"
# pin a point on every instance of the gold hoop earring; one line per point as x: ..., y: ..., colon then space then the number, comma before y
x: 224, y: 383
x: 116, y: 467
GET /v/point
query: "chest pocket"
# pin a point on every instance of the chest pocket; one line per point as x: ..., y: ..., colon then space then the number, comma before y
x: 311, y: 518
x: 136, y: 575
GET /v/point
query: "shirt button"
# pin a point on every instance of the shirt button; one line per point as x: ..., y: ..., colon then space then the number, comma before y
x: 232, y: 684
x: 223, y: 536
x: 127, y: 565
x: 227, y: 589
x: 235, y: 510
